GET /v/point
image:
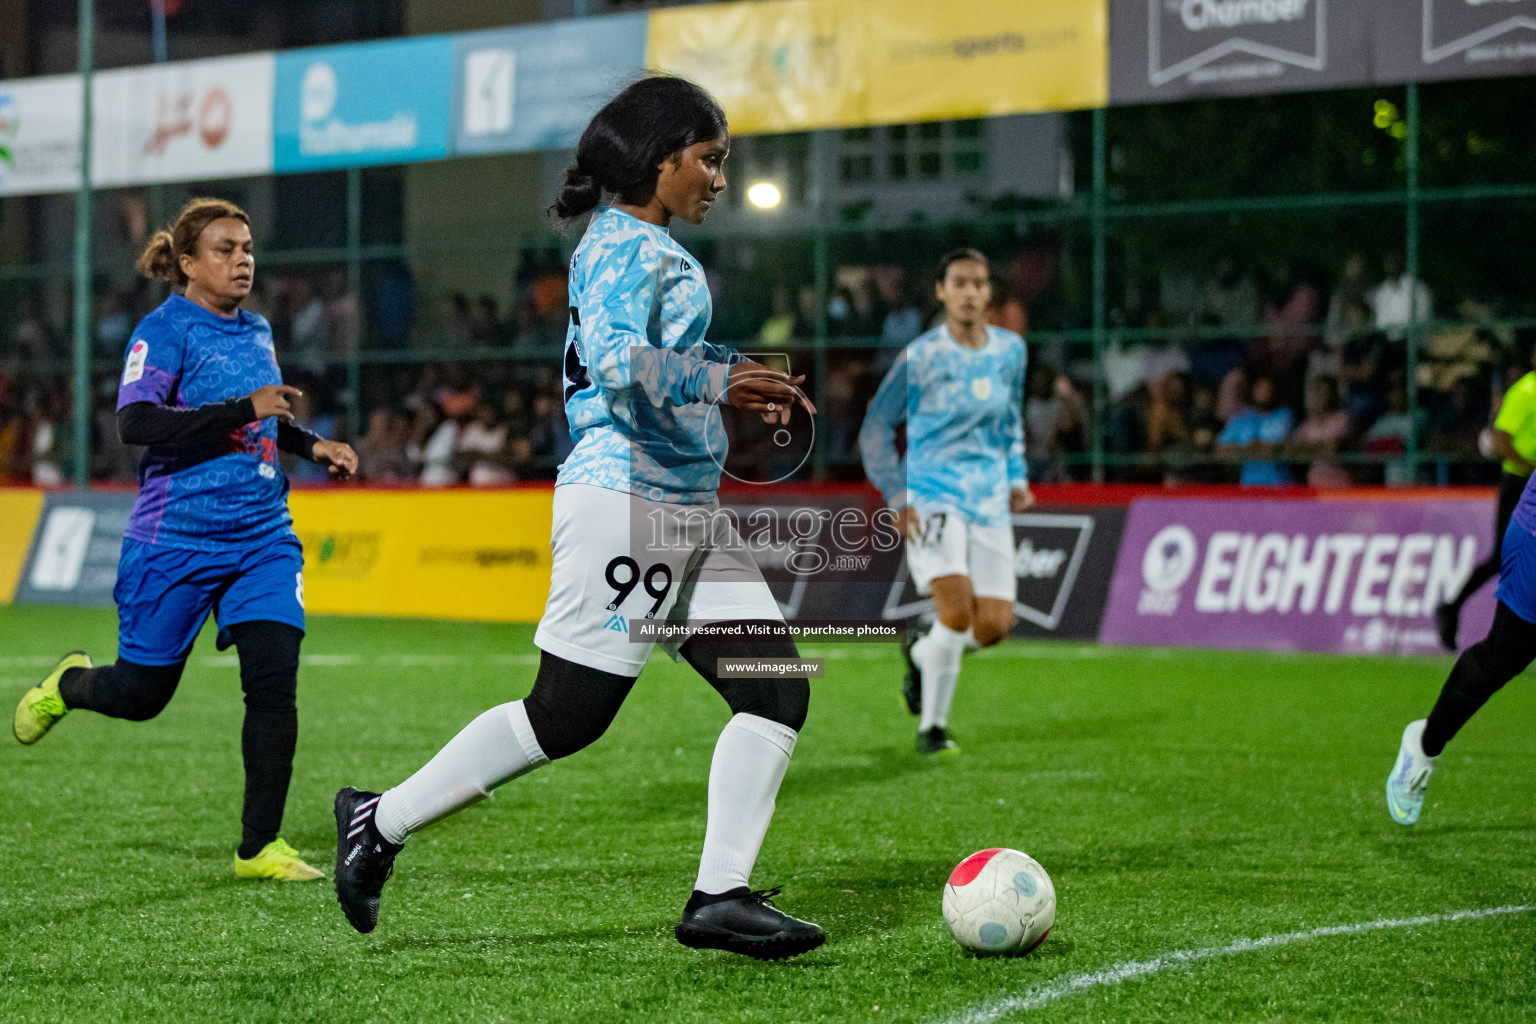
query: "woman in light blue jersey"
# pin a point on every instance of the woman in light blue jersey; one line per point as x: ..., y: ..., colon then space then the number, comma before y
x: 638, y: 538
x: 960, y: 390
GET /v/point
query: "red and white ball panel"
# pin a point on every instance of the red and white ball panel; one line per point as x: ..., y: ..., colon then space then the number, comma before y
x: 999, y: 901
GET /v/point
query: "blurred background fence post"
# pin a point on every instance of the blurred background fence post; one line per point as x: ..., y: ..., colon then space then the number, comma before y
x: 81, y: 460
x: 1100, y: 282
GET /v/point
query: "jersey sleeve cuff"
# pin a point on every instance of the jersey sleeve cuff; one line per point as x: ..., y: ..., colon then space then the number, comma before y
x: 714, y: 383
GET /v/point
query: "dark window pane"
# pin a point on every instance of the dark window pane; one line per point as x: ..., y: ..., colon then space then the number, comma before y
x: 931, y: 130
x: 897, y: 132
x: 967, y: 129
x: 967, y: 162
x: 858, y: 134
x: 930, y: 165
x: 896, y: 167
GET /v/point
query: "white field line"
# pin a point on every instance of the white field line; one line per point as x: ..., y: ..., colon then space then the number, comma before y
x: 996, y: 1009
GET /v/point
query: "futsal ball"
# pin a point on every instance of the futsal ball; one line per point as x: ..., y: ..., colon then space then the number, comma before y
x: 999, y: 901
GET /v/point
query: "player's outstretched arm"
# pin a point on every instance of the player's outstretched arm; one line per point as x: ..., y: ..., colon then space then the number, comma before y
x: 336, y: 456
x: 145, y: 423
x: 877, y: 436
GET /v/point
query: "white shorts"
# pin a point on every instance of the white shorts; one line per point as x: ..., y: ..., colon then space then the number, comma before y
x: 946, y: 545
x: 617, y: 557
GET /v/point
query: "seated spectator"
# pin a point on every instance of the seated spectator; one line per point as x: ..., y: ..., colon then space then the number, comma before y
x: 1168, y: 415
x: 481, y: 445
x: 46, y: 471
x: 1390, y: 433
x: 308, y: 341
x: 1318, y: 438
x: 32, y: 339
x: 1204, y: 426
x: 1363, y: 368
x: 1457, y: 428
x: 1229, y: 299
x: 1256, y: 436
x: 1288, y: 340
x: 381, y: 452
x: 550, y: 438
x: 434, y: 438
x: 1232, y: 394
x: 1399, y: 301
x: 339, y: 315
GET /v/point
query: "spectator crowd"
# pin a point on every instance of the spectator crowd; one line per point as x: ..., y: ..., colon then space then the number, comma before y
x: 1267, y: 377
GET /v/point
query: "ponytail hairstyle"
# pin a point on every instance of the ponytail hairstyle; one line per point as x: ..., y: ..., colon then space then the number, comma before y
x: 642, y: 126
x: 161, y: 258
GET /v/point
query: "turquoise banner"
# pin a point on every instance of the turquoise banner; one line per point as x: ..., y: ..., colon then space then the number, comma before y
x: 367, y: 103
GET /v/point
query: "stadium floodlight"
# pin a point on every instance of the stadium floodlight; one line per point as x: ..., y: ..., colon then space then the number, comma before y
x: 764, y: 195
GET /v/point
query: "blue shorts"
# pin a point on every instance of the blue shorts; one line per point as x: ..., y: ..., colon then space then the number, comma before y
x: 164, y: 595
x: 1517, y: 571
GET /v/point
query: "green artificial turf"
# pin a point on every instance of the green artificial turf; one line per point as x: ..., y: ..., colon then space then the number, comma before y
x: 1180, y: 800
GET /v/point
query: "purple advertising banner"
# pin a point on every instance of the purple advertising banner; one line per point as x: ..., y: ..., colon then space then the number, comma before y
x: 1356, y: 577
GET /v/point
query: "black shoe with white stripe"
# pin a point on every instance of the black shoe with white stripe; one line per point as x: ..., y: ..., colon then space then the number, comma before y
x: 746, y: 922
x: 364, y: 859
x: 912, y: 680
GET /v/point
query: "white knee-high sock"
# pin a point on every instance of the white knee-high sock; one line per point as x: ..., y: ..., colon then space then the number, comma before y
x: 495, y: 748
x: 971, y: 646
x: 938, y: 656
x: 750, y: 759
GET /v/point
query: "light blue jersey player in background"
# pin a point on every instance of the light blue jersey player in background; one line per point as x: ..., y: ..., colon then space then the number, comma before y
x: 960, y: 390
x: 210, y: 530
x: 634, y: 535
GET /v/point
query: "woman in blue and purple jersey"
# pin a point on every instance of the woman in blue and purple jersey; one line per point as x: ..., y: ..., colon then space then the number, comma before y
x: 1480, y: 672
x: 210, y: 531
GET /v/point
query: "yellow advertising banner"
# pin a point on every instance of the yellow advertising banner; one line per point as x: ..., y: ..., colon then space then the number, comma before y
x: 19, y: 510
x: 775, y: 65
x: 943, y: 61
x: 476, y: 555
x: 793, y: 65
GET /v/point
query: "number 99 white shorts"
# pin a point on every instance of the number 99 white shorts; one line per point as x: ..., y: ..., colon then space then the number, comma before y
x: 943, y: 544
x: 617, y: 557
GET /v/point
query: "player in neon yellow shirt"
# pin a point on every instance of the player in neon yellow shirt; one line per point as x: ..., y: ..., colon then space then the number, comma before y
x: 1514, y: 441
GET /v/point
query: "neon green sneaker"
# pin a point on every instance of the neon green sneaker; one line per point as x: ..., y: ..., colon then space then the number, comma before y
x: 278, y: 861
x: 42, y: 706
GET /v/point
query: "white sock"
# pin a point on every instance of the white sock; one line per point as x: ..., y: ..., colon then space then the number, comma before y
x: 749, y: 763
x: 495, y: 748
x: 971, y: 646
x: 938, y: 656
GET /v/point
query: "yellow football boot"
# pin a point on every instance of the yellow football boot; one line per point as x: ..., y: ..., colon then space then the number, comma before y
x: 42, y: 706
x: 278, y: 861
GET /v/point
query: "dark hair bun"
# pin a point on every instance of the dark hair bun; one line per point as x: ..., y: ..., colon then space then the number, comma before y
x: 626, y: 142
x: 158, y: 261
x: 580, y: 194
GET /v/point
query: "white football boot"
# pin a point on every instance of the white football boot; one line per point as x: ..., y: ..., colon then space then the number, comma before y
x: 1410, y: 776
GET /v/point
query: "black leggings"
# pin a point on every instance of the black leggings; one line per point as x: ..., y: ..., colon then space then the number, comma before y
x: 269, y: 675
x: 1480, y: 672
x: 1510, y: 489
x: 572, y: 705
